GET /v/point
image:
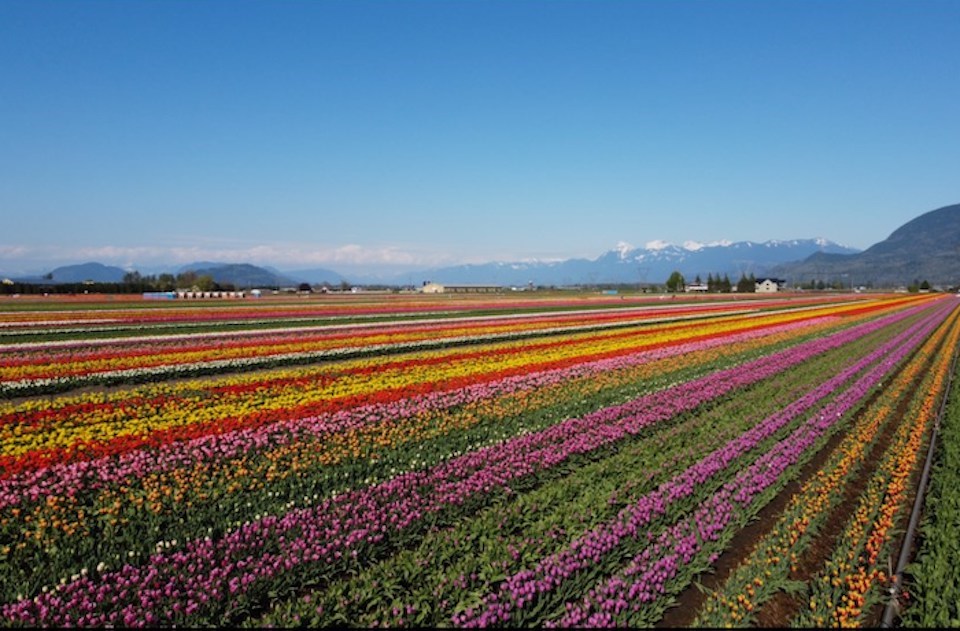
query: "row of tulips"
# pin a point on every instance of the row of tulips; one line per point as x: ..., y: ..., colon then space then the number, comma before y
x: 45, y: 372
x: 247, y: 560
x: 775, y: 559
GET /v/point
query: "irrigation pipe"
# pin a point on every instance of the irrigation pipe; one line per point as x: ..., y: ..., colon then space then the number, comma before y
x: 893, y: 605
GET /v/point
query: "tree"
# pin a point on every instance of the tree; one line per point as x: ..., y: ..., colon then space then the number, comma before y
x: 711, y: 284
x: 166, y: 282
x: 676, y: 282
x: 205, y: 283
x: 725, y: 285
x: 187, y: 279
x: 746, y: 285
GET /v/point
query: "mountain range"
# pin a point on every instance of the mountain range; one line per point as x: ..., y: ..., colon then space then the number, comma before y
x: 925, y: 248
x: 650, y: 264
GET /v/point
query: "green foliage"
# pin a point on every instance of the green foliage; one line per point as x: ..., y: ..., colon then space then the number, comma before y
x: 747, y: 284
x: 676, y: 282
x: 717, y: 284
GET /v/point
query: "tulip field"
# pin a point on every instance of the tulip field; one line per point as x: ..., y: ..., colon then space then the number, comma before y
x: 474, y: 461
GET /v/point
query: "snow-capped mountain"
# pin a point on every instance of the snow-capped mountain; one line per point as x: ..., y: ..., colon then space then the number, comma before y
x: 652, y: 263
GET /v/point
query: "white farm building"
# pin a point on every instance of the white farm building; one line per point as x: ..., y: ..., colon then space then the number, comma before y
x: 769, y: 285
x: 436, y: 288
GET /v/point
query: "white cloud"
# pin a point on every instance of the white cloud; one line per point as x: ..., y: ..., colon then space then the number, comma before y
x: 13, y: 252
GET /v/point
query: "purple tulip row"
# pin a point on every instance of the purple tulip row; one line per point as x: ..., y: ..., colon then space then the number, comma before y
x: 80, y: 477
x: 200, y: 578
x: 678, y: 545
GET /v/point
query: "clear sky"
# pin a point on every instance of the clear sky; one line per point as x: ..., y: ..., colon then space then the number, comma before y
x: 335, y: 133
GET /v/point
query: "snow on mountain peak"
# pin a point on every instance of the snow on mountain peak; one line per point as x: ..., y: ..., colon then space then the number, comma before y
x: 657, y: 244
x: 822, y: 242
x: 692, y: 246
x: 623, y: 248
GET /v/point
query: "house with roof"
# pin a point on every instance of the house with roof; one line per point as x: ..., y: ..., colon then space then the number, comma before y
x: 769, y: 285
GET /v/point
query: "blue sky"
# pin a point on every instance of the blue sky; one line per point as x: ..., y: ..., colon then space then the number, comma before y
x: 411, y: 133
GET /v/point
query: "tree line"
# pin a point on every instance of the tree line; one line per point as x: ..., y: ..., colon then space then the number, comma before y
x: 714, y: 284
x: 132, y: 283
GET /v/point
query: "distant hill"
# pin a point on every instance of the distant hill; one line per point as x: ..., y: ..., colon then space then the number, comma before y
x: 240, y: 274
x: 95, y: 272
x: 925, y: 248
x: 316, y: 276
x: 198, y: 265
